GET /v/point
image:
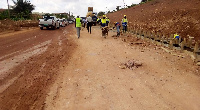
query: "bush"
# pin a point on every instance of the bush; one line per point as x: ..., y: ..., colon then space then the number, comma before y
x: 4, y: 15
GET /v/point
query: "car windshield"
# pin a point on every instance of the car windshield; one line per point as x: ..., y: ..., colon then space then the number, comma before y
x: 46, y: 18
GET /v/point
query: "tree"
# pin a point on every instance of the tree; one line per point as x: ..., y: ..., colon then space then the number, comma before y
x: 23, y: 8
x: 8, y: 10
x: 4, y: 15
x: 144, y: 1
x: 101, y: 13
x: 118, y: 8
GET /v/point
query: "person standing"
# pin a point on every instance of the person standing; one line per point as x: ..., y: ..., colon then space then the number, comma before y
x: 98, y: 20
x: 84, y: 22
x: 78, y: 25
x: 124, y: 23
x: 103, y: 21
x: 107, y: 21
x: 89, y: 20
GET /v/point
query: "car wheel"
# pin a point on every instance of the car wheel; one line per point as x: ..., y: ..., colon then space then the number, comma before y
x: 41, y: 28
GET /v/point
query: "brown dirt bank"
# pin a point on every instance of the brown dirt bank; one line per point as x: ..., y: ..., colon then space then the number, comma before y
x: 166, y: 16
x: 10, y: 25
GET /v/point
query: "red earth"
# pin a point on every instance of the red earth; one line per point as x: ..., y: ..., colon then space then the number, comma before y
x: 54, y: 70
x: 165, y: 16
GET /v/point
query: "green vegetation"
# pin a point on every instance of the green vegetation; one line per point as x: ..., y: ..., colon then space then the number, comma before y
x: 4, y: 15
x: 144, y: 1
x: 101, y: 13
x: 20, y: 11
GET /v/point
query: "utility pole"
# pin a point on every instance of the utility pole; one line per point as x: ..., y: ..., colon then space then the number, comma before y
x: 8, y: 10
x: 124, y: 3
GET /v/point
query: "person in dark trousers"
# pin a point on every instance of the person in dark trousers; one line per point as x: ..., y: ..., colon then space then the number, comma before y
x: 78, y: 25
x: 124, y: 23
x: 107, y: 21
x: 89, y: 20
x: 84, y: 22
x: 87, y: 25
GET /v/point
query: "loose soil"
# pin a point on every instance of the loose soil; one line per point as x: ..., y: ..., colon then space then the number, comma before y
x: 165, y: 16
x: 8, y: 26
x: 54, y: 70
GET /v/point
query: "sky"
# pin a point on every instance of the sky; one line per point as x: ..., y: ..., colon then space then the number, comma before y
x: 76, y: 7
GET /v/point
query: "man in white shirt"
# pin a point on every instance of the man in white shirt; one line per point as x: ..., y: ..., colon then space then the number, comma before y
x: 89, y: 20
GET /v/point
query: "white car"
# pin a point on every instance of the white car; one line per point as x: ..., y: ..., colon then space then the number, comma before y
x: 62, y: 22
x: 49, y: 22
x: 70, y: 22
x: 65, y: 21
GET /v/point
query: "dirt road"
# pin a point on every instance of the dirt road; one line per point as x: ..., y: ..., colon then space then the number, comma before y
x: 54, y: 70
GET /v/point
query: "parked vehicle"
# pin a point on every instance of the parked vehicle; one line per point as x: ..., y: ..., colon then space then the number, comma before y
x: 65, y: 21
x: 62, y: 22
x: 70, y: 21
x: 49, y: 22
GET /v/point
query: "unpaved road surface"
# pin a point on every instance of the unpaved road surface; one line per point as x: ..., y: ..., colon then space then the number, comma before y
x: 53, y: 70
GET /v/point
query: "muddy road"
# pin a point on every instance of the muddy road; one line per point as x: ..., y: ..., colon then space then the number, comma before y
x: 30, y: 63
x: 53, y: 70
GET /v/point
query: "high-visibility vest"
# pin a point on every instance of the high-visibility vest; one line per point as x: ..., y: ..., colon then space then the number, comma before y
x: 176, y: 36
x: 103, y: 21
x: 78, y: 22
x: 125, y: 20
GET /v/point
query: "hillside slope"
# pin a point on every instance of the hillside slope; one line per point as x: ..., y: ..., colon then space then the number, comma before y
x: 165, y: 16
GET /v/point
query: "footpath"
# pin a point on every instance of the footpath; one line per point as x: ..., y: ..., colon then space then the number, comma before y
x: 94, y: 78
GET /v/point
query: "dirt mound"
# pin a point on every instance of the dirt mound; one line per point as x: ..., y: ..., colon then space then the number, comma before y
x: 7, y: 25
x: 165, y: 16
x: 131, y: 64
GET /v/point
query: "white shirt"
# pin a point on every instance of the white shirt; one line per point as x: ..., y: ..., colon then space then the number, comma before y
x: 89, y: 19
